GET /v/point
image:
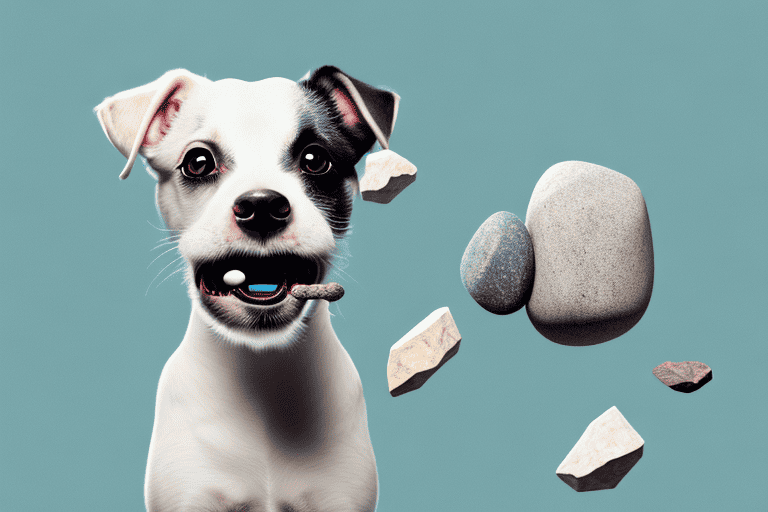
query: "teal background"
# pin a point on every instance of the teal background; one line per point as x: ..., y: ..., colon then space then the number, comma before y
x: 671, y: 94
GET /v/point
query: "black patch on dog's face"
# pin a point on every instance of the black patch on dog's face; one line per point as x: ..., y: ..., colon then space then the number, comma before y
x: 334, y: 120
x: 319, y: 125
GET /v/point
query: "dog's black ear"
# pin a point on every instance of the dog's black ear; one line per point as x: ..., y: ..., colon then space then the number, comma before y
x: 366, y: 113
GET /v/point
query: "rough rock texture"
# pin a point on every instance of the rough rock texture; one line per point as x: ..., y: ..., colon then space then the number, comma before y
x: 594, y: 254
x: 604, y: 454
x: 497, y: 266
x: 386, y: 175
x: 421, y: 352
x: 685, y: 377
x: 330, y: 292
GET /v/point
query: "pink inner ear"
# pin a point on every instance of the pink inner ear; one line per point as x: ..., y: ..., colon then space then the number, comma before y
x: 346, y: 107
x: 161, y: 123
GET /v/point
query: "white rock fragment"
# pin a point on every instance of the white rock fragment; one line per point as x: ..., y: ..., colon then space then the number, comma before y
x: 234, y: 278
x: 386, y: 175
x: 421, y: 352
x: 604, y: 454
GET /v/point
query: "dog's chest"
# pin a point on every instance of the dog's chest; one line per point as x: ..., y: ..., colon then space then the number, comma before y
x: 225, y: 471
x: 207, y: 455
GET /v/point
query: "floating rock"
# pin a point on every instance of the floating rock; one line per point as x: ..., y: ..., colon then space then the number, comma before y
x: 421, y: 352
x: 594, y: 254
x: 685, y: 377
x: 386, y: 175
x: 497, y: 266
x: 604, y: 454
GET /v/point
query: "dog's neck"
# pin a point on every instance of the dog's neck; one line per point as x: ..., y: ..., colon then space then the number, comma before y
x: 295, y: 394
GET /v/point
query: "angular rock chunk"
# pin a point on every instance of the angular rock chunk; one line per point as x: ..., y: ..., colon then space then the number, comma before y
x: 386, y: 175
x: 604, y: 454
x: 594, y: 254
x: 685, y: 377
x: 421, y: 352
x: 497, y: 266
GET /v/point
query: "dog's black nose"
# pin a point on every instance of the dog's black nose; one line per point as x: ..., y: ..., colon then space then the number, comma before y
x: 262, y: 211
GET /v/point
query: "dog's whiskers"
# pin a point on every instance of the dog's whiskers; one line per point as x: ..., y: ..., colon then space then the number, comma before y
x: 340, y: 257
x: 175, y: 242
x: 169, y: 275
x: 161, y: 229
x: 171, y: 238
x: 161, y: 254
x: 161, y: 271
x: 332, y: 217
x: 340, y: 263
x: 337, y: 221
x: 342, y: 273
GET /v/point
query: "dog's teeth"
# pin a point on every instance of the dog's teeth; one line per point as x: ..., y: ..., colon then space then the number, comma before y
x: 234, y: 278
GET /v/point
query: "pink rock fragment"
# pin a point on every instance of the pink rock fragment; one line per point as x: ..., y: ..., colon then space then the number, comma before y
x: 686, y: 377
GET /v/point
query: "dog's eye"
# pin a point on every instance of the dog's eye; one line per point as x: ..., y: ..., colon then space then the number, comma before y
x: 315, y: 160
x: 197, y: 163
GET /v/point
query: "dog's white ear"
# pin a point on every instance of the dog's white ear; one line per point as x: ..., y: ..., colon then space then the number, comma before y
x: 142, y: 116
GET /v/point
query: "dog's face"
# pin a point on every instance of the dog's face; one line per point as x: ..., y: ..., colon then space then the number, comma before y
x: 257, y: 179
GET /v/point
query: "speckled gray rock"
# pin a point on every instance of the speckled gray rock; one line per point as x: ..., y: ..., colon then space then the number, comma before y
x: 685, y: 377
x: 498, y: 265
x: 594, y: 254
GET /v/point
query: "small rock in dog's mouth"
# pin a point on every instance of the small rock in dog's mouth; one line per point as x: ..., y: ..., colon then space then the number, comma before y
x: 262, y: 281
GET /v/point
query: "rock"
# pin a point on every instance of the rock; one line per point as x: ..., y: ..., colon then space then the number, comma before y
x: 330, y: 292
x: 685, y: 377
x: 421, y: 352
x: 594, y: 254
x: 497, y: 267
x: 386, y: 175
x: 604, y: 454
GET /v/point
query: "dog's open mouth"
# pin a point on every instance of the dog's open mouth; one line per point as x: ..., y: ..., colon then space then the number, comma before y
x: 261, y: 281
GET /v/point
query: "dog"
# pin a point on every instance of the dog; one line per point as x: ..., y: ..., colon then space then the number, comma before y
x: 260, y: 408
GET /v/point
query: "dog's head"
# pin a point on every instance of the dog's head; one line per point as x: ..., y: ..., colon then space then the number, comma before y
x: 256, y: 178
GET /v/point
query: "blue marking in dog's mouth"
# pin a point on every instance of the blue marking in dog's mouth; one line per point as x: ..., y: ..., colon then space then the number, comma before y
x: 262, y: 288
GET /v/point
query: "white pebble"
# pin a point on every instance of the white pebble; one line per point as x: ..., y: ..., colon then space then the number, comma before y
x: 234, y: 278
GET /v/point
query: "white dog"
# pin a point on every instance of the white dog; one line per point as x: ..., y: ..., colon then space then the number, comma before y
x: 260, y: 408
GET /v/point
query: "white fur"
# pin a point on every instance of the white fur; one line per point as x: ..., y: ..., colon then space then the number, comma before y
x: 222, y: 436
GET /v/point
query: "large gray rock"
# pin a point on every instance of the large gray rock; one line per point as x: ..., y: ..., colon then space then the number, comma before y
x: 497, y: 266
x: 604, y: 454
x: 594, y: 254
